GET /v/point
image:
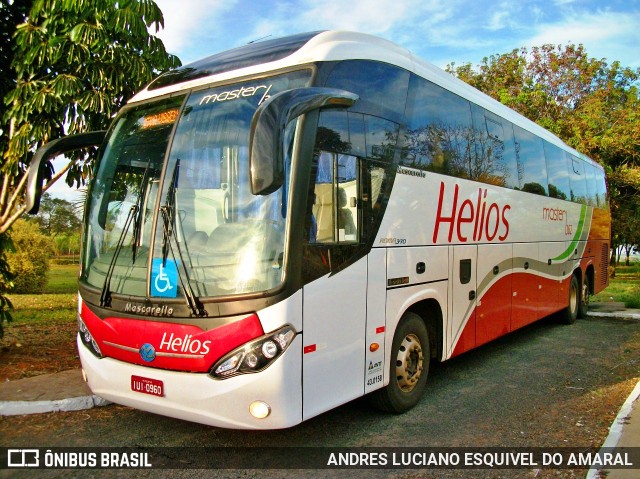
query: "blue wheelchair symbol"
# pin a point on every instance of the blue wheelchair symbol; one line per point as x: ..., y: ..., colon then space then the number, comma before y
x: 164, y: 279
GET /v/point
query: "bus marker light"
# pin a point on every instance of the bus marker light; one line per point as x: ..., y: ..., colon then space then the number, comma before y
x: 269, y: 349
x: 251, y: 360
x: 259, y: 409
x: 309, y: 349
x: 380, y: 329
x: 229, y: 365
x: 374, y: 347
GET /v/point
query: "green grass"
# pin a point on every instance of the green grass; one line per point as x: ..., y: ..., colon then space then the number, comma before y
x: 44, y: 308
x: 624, y: 288
x: 62, y: 279
x: 57, y: 304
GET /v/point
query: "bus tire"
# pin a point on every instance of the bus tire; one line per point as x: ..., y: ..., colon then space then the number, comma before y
x: 570, y: 313
x: 408, y: 368
x: 583, y: 303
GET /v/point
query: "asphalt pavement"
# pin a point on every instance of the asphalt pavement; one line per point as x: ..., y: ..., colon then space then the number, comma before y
x: 68, y: 391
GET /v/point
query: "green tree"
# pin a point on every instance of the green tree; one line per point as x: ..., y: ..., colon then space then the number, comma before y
x: 626, y: 229
x: 591, y: 104
x: 67, y: 244
x: 30, y: 260
x: 57, y: 216
x: 12, y: 13
x: 75, y: 63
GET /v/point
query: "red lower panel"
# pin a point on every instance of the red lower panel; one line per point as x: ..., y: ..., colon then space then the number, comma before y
x: 493, y: 313
x: 511, y: 303
x: 467, y: 339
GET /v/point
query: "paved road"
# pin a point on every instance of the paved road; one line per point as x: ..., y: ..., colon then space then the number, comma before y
x: 547, y: 385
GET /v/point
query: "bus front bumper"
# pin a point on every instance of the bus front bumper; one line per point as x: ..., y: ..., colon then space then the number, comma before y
x: 198, y: 397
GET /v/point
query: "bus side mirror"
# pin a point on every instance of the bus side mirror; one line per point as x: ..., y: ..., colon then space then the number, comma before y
x: 266, y: 160
x: 54, y: 148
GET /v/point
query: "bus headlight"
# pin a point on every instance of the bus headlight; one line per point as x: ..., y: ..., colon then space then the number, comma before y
x: 255, y: 355
x: 87, y: 338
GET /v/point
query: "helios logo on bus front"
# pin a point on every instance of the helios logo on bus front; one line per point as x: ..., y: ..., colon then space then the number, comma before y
x: 185, y: 344
x: 482, y: 220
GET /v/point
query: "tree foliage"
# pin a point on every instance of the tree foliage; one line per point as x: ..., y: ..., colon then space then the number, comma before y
x: 67, y: 244
x: 12, y: 14
x: 592, y: 105
x: 57, y: 216
x: 30, y: 259
x: 625, y: 185
x: 74, y: 63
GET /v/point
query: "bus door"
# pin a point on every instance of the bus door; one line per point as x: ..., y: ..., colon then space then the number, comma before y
x: 463, y: 297
x: 334, y: 320
x: 335, y: 290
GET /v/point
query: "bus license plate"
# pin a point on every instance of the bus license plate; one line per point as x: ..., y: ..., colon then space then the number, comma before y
x: 155, y: 387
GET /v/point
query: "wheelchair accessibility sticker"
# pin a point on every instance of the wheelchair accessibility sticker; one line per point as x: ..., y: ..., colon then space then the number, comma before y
x: 164, y: 278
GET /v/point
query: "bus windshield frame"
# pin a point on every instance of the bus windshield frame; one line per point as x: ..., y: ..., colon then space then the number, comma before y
x: 170, y: 214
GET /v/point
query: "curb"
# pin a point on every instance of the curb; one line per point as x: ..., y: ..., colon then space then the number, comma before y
x: 621, y: 314
x: 18, y: 408
x: 617, y: 427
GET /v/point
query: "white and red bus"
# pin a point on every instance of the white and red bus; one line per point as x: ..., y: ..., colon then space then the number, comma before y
x: 278, y: 229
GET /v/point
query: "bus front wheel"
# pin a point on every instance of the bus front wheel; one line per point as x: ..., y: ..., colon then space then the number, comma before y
x: 408, y: 368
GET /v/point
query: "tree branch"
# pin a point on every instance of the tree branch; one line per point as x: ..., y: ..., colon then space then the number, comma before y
x: 4, y: 192
x: 12, y: 200
x: 12, y: 219
x: 5, y: 220
x: 57, y: 176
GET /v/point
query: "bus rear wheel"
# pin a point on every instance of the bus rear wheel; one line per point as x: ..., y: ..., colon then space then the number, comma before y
x: 585, y: 292
x: 570, y: 313
x: 408, y: 368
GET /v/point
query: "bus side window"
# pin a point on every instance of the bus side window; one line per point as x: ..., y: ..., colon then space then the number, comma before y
x: 592, y: 188
x: 532, y: 167
x: 439, y: 135
x: 335, y: 209
x: 579, y: 192
x: 381, y: 87
x: 601, y: 186
x: 557, y: 172
x: 494, y: 161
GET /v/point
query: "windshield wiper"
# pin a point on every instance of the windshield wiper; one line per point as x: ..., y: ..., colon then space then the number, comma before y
x: 105, y: 296
x: 168, y: 212
x: 137, y: 225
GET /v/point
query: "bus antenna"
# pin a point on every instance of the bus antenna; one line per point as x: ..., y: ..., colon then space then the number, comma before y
x: 258, y: 39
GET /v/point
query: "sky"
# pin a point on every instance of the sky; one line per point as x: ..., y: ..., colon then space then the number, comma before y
x: 439, y: 31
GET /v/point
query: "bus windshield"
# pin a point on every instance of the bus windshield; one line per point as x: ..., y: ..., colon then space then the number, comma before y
x: 190, y: 227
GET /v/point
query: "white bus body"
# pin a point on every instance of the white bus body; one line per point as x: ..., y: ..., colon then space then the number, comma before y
x: 399, y: 216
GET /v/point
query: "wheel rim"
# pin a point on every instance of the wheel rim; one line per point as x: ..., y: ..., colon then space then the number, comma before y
x: 573, y: 297
x: 409, y: 363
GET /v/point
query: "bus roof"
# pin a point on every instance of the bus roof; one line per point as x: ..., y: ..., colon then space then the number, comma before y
x: 308, y: 48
